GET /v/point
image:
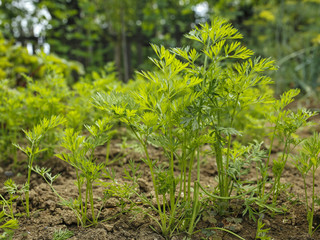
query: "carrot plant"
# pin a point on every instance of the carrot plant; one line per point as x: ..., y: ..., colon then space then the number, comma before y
x: 11, y: 119
x: 229, y: 74
x: 8, y: 221
x: 156, y: 119
x: 34, y: 137
x: 286, y: 123
x: 193, y: 99
x: 196, y: 97
x: 309, y: 160
x: 7, y: 226
x: 81, y: 157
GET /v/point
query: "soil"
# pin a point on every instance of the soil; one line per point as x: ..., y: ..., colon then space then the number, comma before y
x: 49, y: 216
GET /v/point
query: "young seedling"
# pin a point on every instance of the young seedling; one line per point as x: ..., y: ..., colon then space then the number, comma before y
x: 62, y: 234
x: 286, y: 123
x: 81, y: 157
x: 309, y: 160
x: 7, y: 226
x: 262, y: 233
x: 35, y: 136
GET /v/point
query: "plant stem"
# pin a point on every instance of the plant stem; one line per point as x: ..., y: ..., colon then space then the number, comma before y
x: 80, y: 195
x: 31, y: 158
x: 107, y: 153
x: 283, y: 162
x: 189, y: 176
x: 265, y: 173
x: 91, y: 203
x: 310, y: 218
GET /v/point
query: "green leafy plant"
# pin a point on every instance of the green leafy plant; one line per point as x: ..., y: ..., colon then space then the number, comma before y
x: 154, y: 119
x: 229, y: 75
x: 262, y: 232
x: 81, y: 157
x: 286, y: 123
x: 11, y: 119
x: 16, y: 194
x: 189, y: 103
x: 309, y: 160
x: 7, y: 226
x: 35, y: 136
x: 62, y: 234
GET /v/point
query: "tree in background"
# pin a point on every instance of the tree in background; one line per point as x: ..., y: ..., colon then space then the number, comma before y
x: 99, y: 31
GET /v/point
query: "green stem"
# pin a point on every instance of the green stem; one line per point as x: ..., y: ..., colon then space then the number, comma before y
x: 265, y: 173
x: 227, y: 179
x: 195, y: 211
x: 91, y: 202
x: 310, y: 219
x: 79, y: 217
x: 149, y: 162
x: 173, y: 185
x: 162, y: 218
x: 305, y: 193
x: 31, y: 158
x: 184, y: 161
x: 107, y: 152
x: 189, y: 176
x: 219, y: 161
x: 222, y: 229
x: 80, y: 195
x: 84, y: 214
x: 277, y: 180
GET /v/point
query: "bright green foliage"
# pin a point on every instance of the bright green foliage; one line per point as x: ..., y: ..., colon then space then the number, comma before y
x: 81, y: 157
x: 7, y: 226
x: 27, y: 98
x: 154, y: 118
x: 8, y: 222
x: 11, y: 118
x: 309, y: 159
x: 262, y: 233
x: 14, y: 61
x: 15, y: 193
x: 80, y: 109
x: 193, y: 99
x: 286, y: 123
x: 34, y: 136
x: 62, y: 234
x: 287, y: 30
x: 211, y: 95
x: 226, y: 89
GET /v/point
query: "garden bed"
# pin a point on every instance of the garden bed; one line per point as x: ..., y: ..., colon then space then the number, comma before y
x: 48, y: 216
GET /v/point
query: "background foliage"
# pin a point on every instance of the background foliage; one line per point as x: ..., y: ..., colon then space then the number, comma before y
x: 99, y: 31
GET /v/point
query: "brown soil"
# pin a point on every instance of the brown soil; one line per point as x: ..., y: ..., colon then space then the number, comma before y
x: 49, y: 216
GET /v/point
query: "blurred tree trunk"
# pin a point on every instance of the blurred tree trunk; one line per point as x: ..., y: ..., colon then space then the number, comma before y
x: 124, y: 49
x: 117, y: 55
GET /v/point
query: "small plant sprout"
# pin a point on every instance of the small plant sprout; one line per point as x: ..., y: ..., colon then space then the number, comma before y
x: 81, y: 157
x: 15, y: 193
x: 261, y: 233
x: 62, y: 234
x: 7, y: 225
x: 35, y: 136
x: 309, y: 160
x: 286, y: 123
